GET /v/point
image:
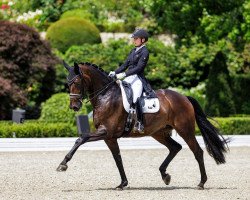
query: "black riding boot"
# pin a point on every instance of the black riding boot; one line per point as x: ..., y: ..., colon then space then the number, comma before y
x: 139, y: 125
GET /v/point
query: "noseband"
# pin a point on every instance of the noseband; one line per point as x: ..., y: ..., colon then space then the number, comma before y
x: 73, y: 95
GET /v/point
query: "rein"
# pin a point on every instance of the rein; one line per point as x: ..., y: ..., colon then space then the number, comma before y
x: 100, y: 90
x: 80, y: 96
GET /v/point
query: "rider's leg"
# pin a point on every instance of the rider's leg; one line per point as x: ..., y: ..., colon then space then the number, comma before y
x: 139, y: 125
x: 136, y: 86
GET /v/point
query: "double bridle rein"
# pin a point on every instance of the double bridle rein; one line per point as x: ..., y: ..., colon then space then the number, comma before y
x: 80, y: 96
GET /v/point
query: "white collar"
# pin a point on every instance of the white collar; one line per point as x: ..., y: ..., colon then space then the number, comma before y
x: 138, y: 48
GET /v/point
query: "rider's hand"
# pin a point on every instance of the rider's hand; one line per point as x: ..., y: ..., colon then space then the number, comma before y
x: 112, y: 74
x: 120, y: 75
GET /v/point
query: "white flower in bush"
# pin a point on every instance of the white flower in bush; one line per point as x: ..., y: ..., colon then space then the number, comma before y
x: 10, y: 3
x: 29, y: 15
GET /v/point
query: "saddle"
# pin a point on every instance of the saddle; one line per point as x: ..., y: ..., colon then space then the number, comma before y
x: 147, y: 105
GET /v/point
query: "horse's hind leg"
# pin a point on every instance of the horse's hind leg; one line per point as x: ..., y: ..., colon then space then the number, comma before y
x: 190, y: 139
x: 174, y: 147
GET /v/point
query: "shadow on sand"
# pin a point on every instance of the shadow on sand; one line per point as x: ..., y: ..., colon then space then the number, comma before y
x: 153, y: 189
x: 168, y: 188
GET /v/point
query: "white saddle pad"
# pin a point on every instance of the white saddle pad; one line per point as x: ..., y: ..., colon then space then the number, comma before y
x: 152, y: 105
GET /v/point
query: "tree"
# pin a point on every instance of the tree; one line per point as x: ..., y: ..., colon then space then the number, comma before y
x: 26, y: 68
x: 204, y: 30
x: 216, y: 26
x: 218, y: 91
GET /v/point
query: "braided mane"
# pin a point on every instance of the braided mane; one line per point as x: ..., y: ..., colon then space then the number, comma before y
x: 96, y: 67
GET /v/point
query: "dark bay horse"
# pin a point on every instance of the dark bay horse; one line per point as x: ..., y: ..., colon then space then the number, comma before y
x: 176, y: 112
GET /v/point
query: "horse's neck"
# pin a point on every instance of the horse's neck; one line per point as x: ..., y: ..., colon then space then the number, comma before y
x: 100, y: 84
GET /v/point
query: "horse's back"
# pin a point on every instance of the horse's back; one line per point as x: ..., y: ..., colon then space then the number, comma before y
x: 177, y: 107
x: 173, y: 97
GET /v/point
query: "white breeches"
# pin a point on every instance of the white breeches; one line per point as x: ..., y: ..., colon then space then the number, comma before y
x: 136, y: 85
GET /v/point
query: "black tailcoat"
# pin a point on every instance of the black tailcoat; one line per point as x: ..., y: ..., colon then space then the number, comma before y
x: 135, y: 64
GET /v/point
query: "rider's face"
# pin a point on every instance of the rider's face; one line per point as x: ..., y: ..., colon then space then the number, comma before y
x: 137, y: 42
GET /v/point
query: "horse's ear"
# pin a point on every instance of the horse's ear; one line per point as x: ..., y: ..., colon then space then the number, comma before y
x: 66, y: 65
x: 76, y: 68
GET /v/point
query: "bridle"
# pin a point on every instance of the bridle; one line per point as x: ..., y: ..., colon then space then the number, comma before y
x: 74, y: 95
x: 80, y: 96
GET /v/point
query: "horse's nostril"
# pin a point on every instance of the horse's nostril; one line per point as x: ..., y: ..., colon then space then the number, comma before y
x: 75, y: 108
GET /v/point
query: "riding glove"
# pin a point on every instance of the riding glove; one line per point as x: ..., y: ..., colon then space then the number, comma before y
x: 112, y: 74
x: 120, y: 75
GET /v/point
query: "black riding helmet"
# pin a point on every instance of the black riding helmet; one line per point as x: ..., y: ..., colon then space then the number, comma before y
x: 140, y: 33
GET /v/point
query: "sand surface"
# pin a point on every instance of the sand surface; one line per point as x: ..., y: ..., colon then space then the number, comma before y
x: 93, y: 175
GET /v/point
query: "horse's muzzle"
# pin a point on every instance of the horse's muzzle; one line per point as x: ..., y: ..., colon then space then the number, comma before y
x: 76, y: 106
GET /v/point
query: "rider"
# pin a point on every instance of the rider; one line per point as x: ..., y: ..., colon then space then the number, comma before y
x: 135, y: 64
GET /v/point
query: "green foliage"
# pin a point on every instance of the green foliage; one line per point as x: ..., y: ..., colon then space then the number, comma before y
x: 23, y: 6
x: 204, y: 28
x: 72, y: 31
x: 78, y: 13
x: 231, y: 125
x: 179, y: 17
x: 50, y: 12
x: 197, y: 92
x: 1, y: 16
x: 61, y: 81
x: 246, y: 24
x: 160, y: 69
x: 201, y: 28
x: 52, y: 9
x: 108, y: 57
x: 107, y: 15
x: 56, y: 109
x: 114, y: 26
x: 241, y: 96
x: 37, y: 129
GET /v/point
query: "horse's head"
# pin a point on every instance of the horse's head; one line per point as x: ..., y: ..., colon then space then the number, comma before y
x: 86, y: 78
x: 76, y: 87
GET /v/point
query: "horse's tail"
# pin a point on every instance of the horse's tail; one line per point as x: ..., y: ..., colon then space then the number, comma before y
x: 216, y: 144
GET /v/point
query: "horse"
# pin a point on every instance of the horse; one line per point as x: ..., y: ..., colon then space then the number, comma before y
x: 177, y: 112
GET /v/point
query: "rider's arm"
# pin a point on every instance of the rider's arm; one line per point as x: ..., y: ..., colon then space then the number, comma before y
x: 125, y: 65
x: 140, y: 65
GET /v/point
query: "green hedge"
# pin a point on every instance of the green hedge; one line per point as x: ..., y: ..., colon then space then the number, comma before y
x: 72, y: 31
x: 231, y: 125
x: 78, y: 13
x: 37, y: 129
x: 56, y: 109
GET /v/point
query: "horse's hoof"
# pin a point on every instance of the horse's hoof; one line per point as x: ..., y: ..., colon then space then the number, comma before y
x: 119, y: 188
x: 167, y: 179
x: 200, y: 186
x: 122, y: 185
x: 62, y: 168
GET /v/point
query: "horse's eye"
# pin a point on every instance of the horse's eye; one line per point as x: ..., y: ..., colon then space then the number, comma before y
x: 77, y: 85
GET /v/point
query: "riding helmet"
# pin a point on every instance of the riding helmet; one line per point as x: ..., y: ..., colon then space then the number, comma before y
x: 140, y: 33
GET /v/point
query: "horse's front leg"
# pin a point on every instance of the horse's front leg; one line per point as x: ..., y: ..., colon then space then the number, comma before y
x: 114, y: 148
x: 99, y: 134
